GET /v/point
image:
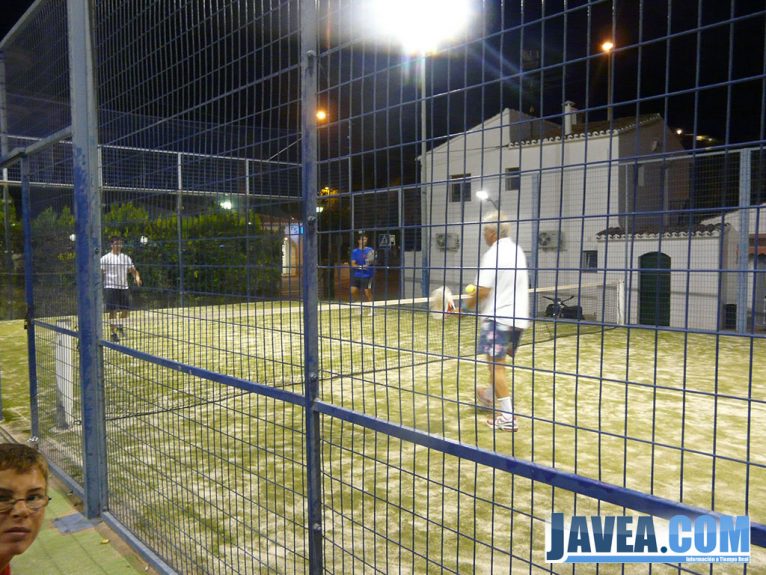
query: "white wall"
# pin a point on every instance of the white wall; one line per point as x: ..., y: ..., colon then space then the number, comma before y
x: 694, y: 277
x: 580, y: 195
x: 570, y: 190
x: 756, y: 226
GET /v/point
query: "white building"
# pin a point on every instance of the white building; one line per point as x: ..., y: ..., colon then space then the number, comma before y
x: 746, y: 230
x: 592, y: 205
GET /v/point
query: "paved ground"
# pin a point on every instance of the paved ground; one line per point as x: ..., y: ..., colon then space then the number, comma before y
x: 69, y: 544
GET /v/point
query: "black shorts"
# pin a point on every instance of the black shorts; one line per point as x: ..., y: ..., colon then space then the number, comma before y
x: 361, y: 283
x: 116, y: 299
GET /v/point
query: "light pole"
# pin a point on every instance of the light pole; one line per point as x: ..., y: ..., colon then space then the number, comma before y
x: 483, y: 195
x: 332, y: 258
x: 608, y: 48
x: 421, y: 28
x: 425, y: 279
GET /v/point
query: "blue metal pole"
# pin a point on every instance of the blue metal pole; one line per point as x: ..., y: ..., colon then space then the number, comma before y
x: 87, y: 210
x: 309, y: 279
x: 26, y: 215
x: 744, y: 240
x: 534, y: 256
x: 426, y: 187
x: 179, y: 227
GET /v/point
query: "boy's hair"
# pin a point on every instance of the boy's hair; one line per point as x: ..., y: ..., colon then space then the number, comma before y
x: 114, y: 239
x: 22, y: 458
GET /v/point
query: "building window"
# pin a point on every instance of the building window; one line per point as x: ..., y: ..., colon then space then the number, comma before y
x: 589, y: 260
x: 460, y: 188
x: 512, y: 180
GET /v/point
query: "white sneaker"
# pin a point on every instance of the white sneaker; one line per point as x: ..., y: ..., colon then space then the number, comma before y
x: 503, y: 423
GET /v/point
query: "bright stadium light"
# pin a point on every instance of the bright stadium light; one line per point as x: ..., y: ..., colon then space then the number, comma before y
x: 144, y: 240
x: 226, y: 204
x: 422, y: 26
x: 72, y: 237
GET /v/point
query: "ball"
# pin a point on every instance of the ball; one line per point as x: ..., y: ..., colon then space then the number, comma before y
x: 470, y: 288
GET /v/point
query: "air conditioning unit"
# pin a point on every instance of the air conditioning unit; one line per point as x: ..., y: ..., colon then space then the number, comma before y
x: 448, y: 242
x: 549, y: 240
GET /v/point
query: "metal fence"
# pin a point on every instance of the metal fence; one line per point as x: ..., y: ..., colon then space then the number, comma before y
x: 260, y: 408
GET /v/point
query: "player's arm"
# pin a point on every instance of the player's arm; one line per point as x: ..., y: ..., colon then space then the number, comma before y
x: 136, y: 276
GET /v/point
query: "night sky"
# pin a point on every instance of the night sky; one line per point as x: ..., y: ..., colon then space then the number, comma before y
x: 656, y: 77
x: 11, y: 11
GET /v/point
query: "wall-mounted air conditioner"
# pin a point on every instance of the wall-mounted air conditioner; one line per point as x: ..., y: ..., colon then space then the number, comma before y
x: 549, y: 240
x: 448, y: 242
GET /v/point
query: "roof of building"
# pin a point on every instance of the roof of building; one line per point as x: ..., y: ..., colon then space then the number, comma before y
x: 655, y: 230
x: 600, y: 128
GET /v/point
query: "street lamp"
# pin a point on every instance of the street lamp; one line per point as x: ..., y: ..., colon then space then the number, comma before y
x: 483, y: 195
x: 421, y: 28
x: 323, y: 116
x: 608, y: 48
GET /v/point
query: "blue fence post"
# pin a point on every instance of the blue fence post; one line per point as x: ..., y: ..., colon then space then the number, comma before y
x: 7, y: 251
x: 179, y: 227
x: 744, y: 243
x: 26, y: 215
x: 534, y: 257
x: 87, y: 210
x: 309, y: 279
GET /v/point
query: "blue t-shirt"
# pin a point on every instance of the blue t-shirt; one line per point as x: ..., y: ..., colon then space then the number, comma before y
x: 362, y: 268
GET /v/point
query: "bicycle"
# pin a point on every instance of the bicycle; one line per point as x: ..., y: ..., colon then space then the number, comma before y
x: 558, y: 308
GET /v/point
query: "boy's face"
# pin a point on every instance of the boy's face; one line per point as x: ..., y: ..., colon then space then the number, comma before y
x: 116, y: 246
x: 363, y: 241
x: 20, y: 525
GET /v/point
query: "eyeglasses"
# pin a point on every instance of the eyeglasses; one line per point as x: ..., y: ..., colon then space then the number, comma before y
x: 33, y: 502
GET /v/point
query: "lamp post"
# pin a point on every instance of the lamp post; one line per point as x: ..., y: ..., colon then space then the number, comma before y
x: 425, y: 279
x: 483, y: 195
x: 323, y: 116
x: 608, y: 48
x: 420, y: 28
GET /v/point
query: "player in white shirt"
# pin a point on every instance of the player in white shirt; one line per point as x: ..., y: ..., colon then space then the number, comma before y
x: 502, y: 296
x: 115, y: 267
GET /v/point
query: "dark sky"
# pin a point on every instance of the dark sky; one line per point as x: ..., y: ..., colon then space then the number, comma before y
x: 11, y: 11
x: 657, y: 77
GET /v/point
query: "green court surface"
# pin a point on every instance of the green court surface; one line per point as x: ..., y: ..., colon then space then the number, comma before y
x: 676, y: 415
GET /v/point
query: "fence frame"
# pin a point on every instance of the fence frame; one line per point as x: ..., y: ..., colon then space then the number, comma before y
x: 87, y: 197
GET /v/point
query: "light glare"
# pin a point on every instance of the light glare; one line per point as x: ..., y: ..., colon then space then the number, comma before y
x: 421, y: 26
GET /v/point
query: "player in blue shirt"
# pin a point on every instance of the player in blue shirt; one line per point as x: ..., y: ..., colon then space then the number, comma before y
x: 362, y: 260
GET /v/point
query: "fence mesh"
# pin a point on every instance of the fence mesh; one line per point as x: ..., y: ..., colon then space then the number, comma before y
x: 627, y: 179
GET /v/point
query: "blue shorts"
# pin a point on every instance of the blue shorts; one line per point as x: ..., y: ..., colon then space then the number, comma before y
x: 361, y: 283
x: 498, y: 340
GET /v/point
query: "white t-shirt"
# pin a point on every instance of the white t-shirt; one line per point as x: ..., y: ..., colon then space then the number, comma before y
x: 503, y: 269
x: 115, y: 268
